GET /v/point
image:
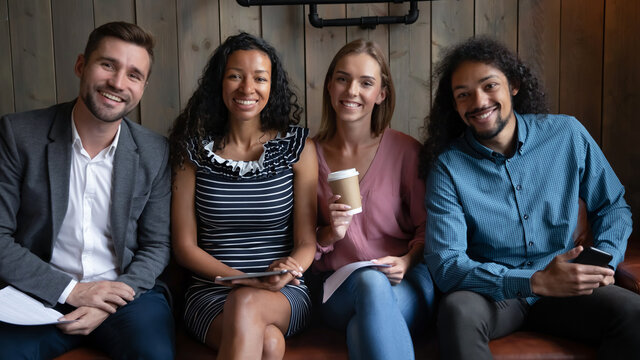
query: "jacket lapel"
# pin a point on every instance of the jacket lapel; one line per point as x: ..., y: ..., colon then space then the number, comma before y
x: 125, y: 167
x: 59, y: 165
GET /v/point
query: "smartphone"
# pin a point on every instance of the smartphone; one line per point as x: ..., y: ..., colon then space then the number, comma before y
x: 593, y: 256
x: 252, y: 275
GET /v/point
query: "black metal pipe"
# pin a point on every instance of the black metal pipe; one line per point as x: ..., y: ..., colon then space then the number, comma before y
x: 368, y: 22
x: 317, y: 2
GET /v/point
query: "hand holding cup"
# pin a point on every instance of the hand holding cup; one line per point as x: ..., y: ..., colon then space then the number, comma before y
x: 345, y: 183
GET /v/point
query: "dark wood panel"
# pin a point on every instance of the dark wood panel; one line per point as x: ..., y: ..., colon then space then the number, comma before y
x: 410, y: 68
x: 160, y: 104
x: 499, y: 20
x: 278, y: 25
x: 114, y: 10
x: 320, y: 46
x: 620, y: 126
x: 380, y: 34
x: 72, y: 23
x: 567, y: 51
x: 581, y: 62
x: 198, y: 37
x: 32, y: 54
x: 539, y: 43
x: 6, y: 68
x: 235, y: 18
x: 451, y: 23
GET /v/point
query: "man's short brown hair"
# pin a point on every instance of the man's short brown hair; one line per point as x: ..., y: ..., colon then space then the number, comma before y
x: 124, y: 31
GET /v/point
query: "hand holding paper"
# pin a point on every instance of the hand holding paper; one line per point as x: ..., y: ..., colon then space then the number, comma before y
x: 333, y: 282
x: 398, y: 267
x: 19, y: 308
x: 83, y: 320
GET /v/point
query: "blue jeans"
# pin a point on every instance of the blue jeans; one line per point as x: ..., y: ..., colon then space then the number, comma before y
x: 143, y: 329
x: 379, y: 317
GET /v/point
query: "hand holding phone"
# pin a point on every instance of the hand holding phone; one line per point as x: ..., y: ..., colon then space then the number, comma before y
x: 593, y: 256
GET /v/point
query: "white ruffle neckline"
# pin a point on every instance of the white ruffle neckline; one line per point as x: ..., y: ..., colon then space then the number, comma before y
x: 241, y: 166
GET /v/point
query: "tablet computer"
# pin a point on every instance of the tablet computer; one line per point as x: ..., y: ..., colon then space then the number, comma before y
x: 252, y: 275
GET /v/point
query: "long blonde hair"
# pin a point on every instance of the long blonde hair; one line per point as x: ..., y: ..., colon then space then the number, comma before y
x: 381, y: 115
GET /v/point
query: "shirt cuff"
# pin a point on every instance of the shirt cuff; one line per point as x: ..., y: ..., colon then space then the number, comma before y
x: 517, y: 283
x: 67, y: 291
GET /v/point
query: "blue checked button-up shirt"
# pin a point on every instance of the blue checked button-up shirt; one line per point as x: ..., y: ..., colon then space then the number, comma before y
x: 493, y: 221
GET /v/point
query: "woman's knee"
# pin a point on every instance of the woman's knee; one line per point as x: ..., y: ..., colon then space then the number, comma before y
x: 370, y: 282
x: 247, y: 306
x: 242, y: 301
x: 273, y: 345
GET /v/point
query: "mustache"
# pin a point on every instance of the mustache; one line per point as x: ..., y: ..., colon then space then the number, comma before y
x: 478, y: 110
x: 110, y: 89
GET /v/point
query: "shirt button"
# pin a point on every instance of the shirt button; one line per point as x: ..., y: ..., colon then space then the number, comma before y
x: 518, y: 187
x: 526, y: 216
x: 530, y: 243
x: 529, y: 263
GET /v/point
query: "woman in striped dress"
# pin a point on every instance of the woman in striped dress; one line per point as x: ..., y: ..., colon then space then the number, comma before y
x: 244, y: 200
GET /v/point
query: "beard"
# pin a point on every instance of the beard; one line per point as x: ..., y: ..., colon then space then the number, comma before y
x: 104, y: 113
x: 495, y: 130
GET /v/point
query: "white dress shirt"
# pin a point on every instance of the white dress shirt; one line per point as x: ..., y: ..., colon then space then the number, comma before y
x: 84, y: 248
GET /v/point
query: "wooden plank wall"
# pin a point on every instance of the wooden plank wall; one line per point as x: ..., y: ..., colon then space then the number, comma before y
x: 586, y: 52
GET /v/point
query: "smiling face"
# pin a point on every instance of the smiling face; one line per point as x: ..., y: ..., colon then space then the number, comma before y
x: 482, y: 98
x: 113, y: 78
x: 246, y: 84
x: 355, y: 87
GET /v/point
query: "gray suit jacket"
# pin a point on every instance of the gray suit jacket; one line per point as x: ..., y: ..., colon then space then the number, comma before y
x: 35, y: 161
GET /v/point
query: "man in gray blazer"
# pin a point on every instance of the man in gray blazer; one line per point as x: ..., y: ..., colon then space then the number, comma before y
x: 84, y: 210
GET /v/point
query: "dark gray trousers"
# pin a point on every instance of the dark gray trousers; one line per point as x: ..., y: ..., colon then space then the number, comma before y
x: 609, y: 317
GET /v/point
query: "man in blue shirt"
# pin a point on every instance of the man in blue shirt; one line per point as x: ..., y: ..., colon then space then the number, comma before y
x: 503, y: 186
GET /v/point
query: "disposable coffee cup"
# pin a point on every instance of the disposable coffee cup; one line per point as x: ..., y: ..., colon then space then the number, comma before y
x: 345, y: 183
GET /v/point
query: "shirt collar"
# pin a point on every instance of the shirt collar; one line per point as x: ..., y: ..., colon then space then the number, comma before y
x: 521, y: 133
x: 77, y: 141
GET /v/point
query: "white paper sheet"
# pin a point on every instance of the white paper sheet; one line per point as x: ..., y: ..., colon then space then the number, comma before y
x: 19, y: 308
x: 333, y: 282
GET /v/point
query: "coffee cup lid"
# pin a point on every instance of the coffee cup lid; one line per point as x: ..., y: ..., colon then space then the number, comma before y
x: 342, y: 174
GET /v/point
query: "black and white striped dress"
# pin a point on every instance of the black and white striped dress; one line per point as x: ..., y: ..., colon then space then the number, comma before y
x: 245, y: 219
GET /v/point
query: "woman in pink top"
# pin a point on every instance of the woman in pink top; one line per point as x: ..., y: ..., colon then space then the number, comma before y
x: 378, y: 307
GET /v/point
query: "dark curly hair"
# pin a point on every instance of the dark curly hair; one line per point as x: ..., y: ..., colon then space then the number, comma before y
x: 444, y: 123
x: 206, y: 117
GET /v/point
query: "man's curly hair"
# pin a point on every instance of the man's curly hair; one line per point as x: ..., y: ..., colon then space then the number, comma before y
x: 444, y: 123
x: 206, y: 116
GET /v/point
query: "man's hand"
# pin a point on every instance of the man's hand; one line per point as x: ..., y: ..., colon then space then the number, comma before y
x: 608, y: 280
x: 562, y: 278
x: 104, y: 295
x: 87, y: 319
